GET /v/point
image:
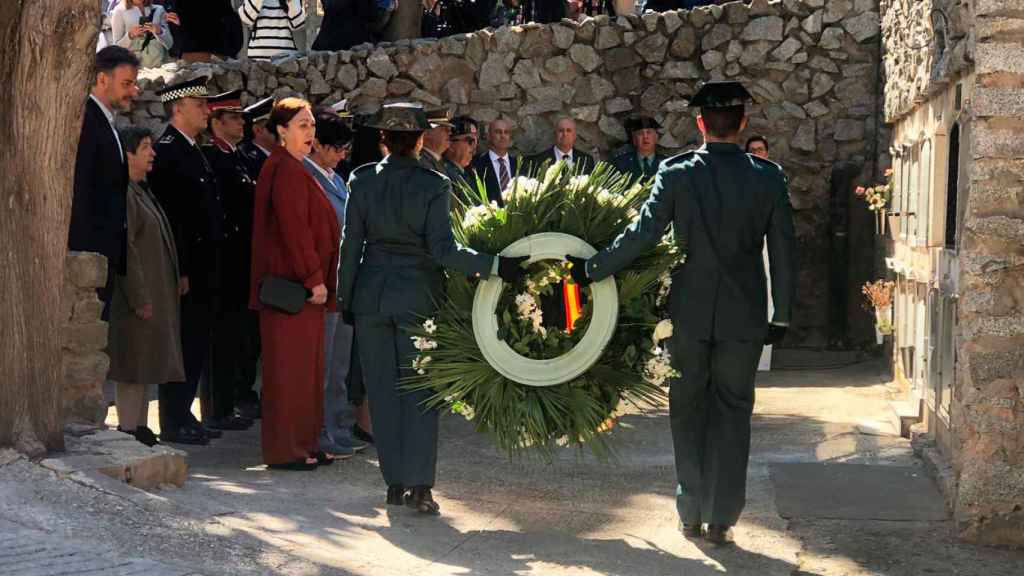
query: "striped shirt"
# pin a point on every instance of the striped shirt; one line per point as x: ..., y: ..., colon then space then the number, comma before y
x: 271, y: 23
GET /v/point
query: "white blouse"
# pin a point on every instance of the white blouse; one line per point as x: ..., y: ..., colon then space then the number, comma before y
x: 122, y: 20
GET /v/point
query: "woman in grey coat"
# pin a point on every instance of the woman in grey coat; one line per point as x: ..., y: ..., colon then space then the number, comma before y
x: 396, y: 243
x: 145, y: 341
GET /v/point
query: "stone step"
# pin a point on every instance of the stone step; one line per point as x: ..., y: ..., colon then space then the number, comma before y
x: 121, y: 457
x: 905, y: 413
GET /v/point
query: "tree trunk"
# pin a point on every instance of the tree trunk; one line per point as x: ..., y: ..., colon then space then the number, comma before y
x: 45, y: 67
x: 405, y: 22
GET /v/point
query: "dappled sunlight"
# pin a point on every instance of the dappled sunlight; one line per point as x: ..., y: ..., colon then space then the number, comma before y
x: 231, y: 488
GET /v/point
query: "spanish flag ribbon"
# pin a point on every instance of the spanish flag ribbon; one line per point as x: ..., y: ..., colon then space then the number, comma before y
x: 571, y: 297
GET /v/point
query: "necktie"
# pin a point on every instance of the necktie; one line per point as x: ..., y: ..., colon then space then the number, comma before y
x: 503, y: 176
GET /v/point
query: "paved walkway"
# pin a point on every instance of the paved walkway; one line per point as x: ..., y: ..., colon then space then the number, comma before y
x: 571, y: 518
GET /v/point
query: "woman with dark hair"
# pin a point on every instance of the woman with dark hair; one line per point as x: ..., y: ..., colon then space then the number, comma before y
x: 295, y: 238
x: 145, y: 311
x: 398, y: 240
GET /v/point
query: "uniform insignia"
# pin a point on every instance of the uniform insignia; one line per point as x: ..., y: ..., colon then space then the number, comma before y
x: 167, y: 139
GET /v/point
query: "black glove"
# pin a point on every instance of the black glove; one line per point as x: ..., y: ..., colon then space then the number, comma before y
x: 578, y: 269
x: 775, y: 334
x: 510, y: 269
x: 348, y: 318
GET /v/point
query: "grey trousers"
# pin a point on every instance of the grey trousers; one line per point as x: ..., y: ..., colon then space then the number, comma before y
x: 710, y: 409
x: 404, y: 432
x: 338, y: 419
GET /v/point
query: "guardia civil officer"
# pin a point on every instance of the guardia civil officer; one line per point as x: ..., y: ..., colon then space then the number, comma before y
x: 642, y: 159
x: 724, y: 204
x: 397, y: 241
x: 186, y: 186
x: 235, y: 336
x: 436, y: 140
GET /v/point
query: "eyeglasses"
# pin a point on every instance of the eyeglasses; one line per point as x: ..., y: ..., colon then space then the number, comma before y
x: 466, y: 139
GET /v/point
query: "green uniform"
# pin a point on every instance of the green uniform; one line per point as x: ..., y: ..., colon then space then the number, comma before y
x: 428, y: 161
x: 723, y: 205
x: 630, y: 163
x: 397, y: 239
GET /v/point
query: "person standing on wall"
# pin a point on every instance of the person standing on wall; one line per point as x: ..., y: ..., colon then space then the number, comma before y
x: 723, y: 205
x: 271, y: 24
x: 184, y: 182
x: 397, y: 225
x: 98, y: 207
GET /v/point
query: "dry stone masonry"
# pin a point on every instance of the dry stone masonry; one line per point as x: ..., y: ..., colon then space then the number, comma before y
x: 812, y: 68
x: 85, y: 339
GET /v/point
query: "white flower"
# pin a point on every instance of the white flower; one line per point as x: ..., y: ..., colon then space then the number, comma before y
x: 527, y: 309
x: 421, y: 343
x: 665, y: 279
x: 419, y: 364
x: 662, y: 331
x: 520, y: 186
x: 429, y: 326
x: 477, y: 214
x: 605, y: 197
x: 578, y: 182
x: 659, y: 367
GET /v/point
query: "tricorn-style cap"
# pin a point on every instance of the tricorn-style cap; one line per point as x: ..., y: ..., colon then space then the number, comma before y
x: 226, y: 102
x: 261, y: 110
x: 460, y: 126
x: 400, y: 117
x: 634, y: 123
x: 722, y: 94
x: 341, y: 108
x: 194, y: 88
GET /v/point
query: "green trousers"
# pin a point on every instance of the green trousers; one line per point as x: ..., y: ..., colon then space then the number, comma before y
x: 404, y: 432
x: 710, y: 409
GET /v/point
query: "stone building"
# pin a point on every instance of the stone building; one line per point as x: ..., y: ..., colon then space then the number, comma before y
x: 954, y: 94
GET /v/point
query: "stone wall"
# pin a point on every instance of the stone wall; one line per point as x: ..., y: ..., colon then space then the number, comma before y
x: 85, y: 338
x: 989, y: 398
x: 812, y: 66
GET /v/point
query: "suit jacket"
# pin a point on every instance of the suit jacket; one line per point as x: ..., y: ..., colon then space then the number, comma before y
x: 295, y: 231
x: 484, y: 169
x: 237, y: 191
x: 348, y: 23
x: 580, y: 160
x: 723, y: 205
x: 255, y: 157
x: 334, y: 187
x: 398, y: 239
x: 629, y: 163
x: 186, y: 186
x: 98, y: 202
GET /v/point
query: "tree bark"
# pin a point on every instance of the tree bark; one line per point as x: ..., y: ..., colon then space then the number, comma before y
x: 405, y: 22
x: 45, y: 73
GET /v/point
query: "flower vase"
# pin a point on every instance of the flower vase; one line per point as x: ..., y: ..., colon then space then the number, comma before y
x: 882, y: 220
x: 883, y: 317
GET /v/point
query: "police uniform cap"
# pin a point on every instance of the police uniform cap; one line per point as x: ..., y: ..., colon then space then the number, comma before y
x: 194, y: 88
x: 227, y: 102
x: 439, y: 117
x: 721, y: 94
x: 399, y: 117
x: 634, y: 123
x: 260, y: 111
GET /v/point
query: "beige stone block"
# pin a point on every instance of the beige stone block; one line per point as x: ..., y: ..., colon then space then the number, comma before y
x: 999, y: 137
x: 998, y: 57
x: 999, y: 100
x: 85, y: 337
x: 86, y: 269
x: 87, y: 310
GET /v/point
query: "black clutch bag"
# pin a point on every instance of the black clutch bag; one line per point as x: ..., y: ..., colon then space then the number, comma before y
x: 282, y: 294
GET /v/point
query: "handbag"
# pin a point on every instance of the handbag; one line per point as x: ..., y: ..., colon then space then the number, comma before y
x: 282, y: 294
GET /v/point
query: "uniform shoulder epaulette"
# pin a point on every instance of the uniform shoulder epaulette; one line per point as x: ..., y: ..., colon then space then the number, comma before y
x: 363, y: 168
x: 681, y: 157
x: 766, y: 162
x: 432, y: 172
x: 167, y: 138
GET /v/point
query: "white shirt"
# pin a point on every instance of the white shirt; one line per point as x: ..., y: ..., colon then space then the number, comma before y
x: 559, y: 155
x: 190, y: 140
x: 495, y: 162
x: 327, y: 172
x: 110, y: 119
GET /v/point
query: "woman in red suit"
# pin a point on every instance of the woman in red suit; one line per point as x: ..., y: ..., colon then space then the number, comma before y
x: 295, y: 236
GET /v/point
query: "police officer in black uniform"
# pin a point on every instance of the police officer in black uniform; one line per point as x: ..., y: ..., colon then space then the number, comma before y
x: 186, y: 186
x: 258, y: 140
x: 235, y: 347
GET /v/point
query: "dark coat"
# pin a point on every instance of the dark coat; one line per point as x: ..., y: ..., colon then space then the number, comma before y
x: 723, y: 205
x: 255, y: 157
x: 184, y: 182
x: 237, y: 190
x: 628, y: 163
x: 398, y: 239
x: 348, y: 23
x: 98, y: 205
x: 581, y: 160
x: 206, y: 26
x: 484, y: 169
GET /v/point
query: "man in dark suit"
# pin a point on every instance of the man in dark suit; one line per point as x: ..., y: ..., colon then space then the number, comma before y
x: 98, y: 205
x: 259, y: 141
x: 186, y: 186
x: 235, y: 349
x: 724, y: 204
x: 497, y: 166
x: 564, y: 149
x: 643, y: 159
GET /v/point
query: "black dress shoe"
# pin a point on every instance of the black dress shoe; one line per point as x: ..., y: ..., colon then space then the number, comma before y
x: 690, y: 530
x: 228, y: 423
x: 421, y: 500
x: 249, y: 410
x: 396, y: 495
x: 361, y: 434
x: 208, y: 432
x: 146, y: 436
x: 719, y: 534
x: 297, y: 466
x: 185, y: 435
